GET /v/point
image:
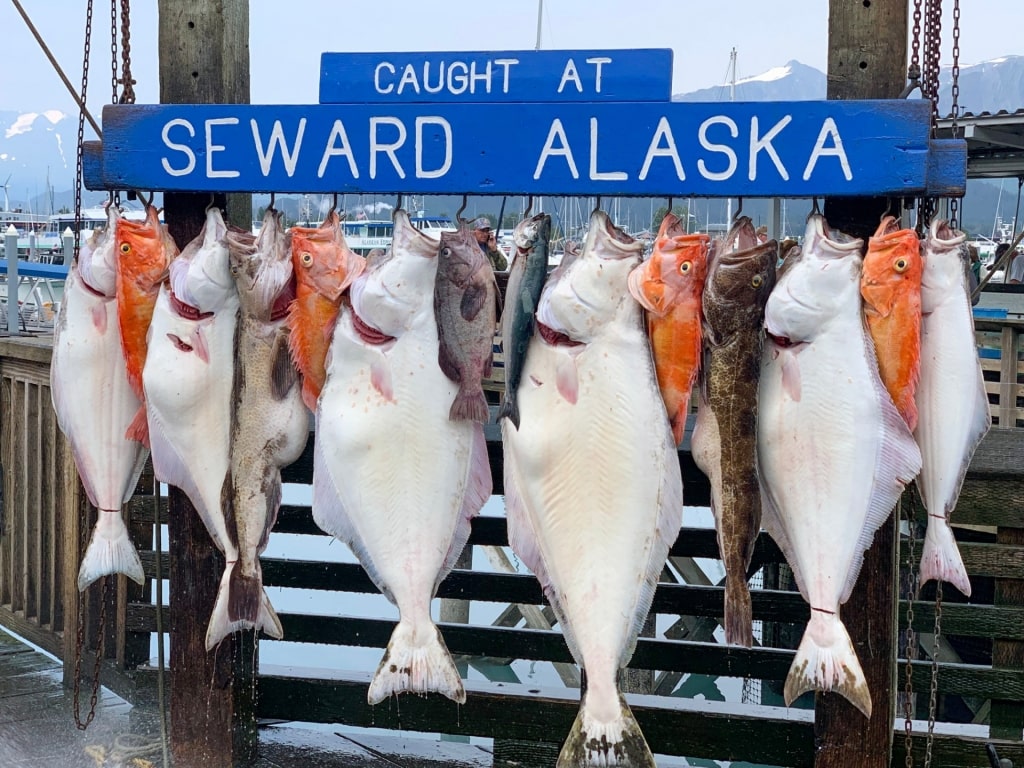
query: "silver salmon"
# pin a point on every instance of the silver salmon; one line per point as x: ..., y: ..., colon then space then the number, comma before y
x: 592, y: 483
x: 269, y: 422
x: 465, y: 305
x: 834, y: 453
x: 740, y: 278
x: 526, y: 278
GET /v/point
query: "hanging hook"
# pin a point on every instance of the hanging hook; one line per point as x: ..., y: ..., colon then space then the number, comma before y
x: 739, y: 209
x: 815, y: 210
x: 210, y: 205
x: 529, y: 206
x: 670, y: 203
x: 597, y: 205
x: 458, y: 213
x: 398, y: 202
x: 334, y: 203
x: 273, y: 196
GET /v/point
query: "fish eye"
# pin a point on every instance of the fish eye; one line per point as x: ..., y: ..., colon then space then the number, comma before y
x: 685, y: 267
x: 306, y: 258
x: 446, y: 252
x: 901, y: 265
x: 756, y: 281
x: 125, y: 248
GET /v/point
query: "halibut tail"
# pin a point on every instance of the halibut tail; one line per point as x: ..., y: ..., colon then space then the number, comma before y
x: 110, y: 551
x: 241, y: 604
x: 509, y: 410
x: 826, y: 661
x: 739, y: 622
x: 416, y: 661
x: 593, y: 743
x: 940, y: 558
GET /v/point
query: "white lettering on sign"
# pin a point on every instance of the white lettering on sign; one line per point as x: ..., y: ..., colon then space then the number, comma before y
x: 570, y: 73
x: 408, y: 78
x: 550, y: 150
x: 663, y: 131
x: 598, y: 61
x: 505, y: 64
x: 421, y: 172
x: 725, y: 149
x: 332, y: 150
x: 595, y: 174
x: 765, y: 143
x: 211, y: 148
x: 277, y: 140
x: 376, y: 77
x: 376, y: 147
x: 183, y: 148
x: 828, y: 129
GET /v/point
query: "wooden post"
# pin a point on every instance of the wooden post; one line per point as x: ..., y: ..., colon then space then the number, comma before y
x: 867, y: 57
x: 204, y: 58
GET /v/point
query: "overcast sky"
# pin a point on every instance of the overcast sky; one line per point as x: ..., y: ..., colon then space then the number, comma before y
x: 287, y: 37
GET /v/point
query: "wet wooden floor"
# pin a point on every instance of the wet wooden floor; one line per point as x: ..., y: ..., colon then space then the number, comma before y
x: 37, y: 729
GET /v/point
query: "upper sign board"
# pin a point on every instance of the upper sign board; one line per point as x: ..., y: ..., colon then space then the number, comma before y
x: 762, y: 149
x: 468, y: 76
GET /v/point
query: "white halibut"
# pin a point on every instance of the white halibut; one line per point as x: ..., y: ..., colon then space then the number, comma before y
x: 394, y: 477
x: 833, y: 451
x: 592, y: 482
x: 953, y: 412
x: 94, y: 404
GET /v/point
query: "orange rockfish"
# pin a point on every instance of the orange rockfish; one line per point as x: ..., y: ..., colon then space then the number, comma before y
x: 890, y: 285
x: 324, y: 266
x: 144, y: 253
x: 669, y: 286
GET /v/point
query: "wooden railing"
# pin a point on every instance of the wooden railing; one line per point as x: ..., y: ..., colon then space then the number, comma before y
x: 1002, y: 361
x: 980, y: 673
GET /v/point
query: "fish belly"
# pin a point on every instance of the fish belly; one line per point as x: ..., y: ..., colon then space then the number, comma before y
x: 953, y: 411
x: 92, y: 398
x: 598, y: 496
x: 817, y: 455
x: 398, y: 467
x: 188, y: 402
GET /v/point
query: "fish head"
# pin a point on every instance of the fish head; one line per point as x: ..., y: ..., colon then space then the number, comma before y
x: 322, y: 261
x: 97, y: 258
x: 892, y: 268
x: 945, y: 264
x: 459, y: 257
x: 262, y: 269
x: 144, y: 249
x: 816, y: 284
x: 528, y: 231
x: 201, y: 276
x: 397, y: 287
x: 581, y: 296
x: 740, y: 278
x: 674, y: 273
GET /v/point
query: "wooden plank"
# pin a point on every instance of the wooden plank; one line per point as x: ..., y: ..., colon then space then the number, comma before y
x: 7, y: 506
x: 994, y: 560
x: 204, y: 58
x: 48, y: 510
x: 32, y: 479
x: 19, y: 511
x: 1007, y: 717
x: 1008, y: 378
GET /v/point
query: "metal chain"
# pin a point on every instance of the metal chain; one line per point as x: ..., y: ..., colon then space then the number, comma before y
x: 127, y: 82
x: 914, y: 70
x: 932, y: 45
x: 97, y: 660
x: 81, y: 129
x: 113, y: 52
x: 933, y: 690
x: 954, y: 204
x: 911, y: 637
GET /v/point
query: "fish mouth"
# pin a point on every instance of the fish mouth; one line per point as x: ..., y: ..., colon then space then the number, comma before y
x: 366, y: 332
x: 556, y: 338
x: 184, y: 310
x: 941, y: 231
x: 285, y: 297
x: 818, y: 228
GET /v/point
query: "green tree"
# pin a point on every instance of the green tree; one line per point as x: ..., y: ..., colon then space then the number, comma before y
x: 510, y: 220
x: 659, y: 213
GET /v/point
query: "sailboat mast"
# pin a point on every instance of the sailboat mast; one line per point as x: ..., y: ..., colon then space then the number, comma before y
x: 540, y: 14
x: 732, y: 97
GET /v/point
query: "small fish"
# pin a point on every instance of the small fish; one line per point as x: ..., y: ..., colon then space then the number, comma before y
x: 592, y: 482
x: 465, y: 305
x: 324, y: 267
x: 834, y: 454
x: 669, y: 285
x: 740, y: 278
x: 394, y: 477
x: 269, y: 422
x: 952, y: 406
x: 890, y: 285
x: 526, y: 279
x: 94, y: 403
x: 144, y: 253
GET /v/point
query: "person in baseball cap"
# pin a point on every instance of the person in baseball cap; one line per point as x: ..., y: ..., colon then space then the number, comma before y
x: 488, y: 243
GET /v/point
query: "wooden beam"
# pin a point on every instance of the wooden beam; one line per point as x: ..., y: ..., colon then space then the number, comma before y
x: 204, y: 58
x: 866, y: 59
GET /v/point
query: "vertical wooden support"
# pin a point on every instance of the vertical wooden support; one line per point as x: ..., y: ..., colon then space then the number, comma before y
x: 1007, y: 718
x: 866, y: 59
x: 204, y: 58
x: 1008, y: 378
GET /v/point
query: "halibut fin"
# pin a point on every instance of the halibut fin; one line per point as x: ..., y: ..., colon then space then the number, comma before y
x: 826, y: 661
x: 110, y: 551
x: 416, y: 662
x: 595, y: 744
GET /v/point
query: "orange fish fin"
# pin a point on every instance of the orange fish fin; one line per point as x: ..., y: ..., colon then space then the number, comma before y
x: 139, y: 427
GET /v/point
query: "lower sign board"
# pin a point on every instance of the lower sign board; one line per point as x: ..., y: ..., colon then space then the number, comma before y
x: 763, y: 149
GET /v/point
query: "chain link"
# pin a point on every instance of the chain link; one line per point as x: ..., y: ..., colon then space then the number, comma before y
x: 934, y: 689
x: 81, y: 129
x: 954, y: 204
x: 911, y: 636
x: 127, y: 82
x: 99, y: 650
x: 113, y: 52
x: 914, y: 70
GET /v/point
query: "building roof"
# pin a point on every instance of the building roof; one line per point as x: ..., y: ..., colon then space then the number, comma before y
x: 995, y: 142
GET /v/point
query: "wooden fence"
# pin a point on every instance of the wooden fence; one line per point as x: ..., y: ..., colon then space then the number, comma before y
x: 980, y: 673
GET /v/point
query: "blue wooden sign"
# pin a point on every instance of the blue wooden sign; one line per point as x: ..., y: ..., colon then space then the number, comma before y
x: 763, y: 149
x: 464, y: 76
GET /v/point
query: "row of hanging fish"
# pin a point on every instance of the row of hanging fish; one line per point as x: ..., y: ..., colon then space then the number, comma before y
x: 794, y: 418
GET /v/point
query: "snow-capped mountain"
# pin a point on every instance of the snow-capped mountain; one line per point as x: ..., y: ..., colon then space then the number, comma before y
x: 791, y: 82
x: 35, y: 146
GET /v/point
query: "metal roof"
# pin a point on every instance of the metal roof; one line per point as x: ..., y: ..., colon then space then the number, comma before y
x: 995, y: 142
